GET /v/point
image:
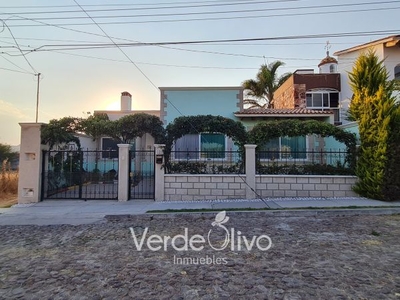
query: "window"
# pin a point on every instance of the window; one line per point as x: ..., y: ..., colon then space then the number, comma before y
x: 321, y: 100
x: 108, y: 144
x: 397, y: 72
x: 317, y: 100
x: 332, y: 68
x: 212, y: 145
x: 285, y: 148
x: 204, y: 145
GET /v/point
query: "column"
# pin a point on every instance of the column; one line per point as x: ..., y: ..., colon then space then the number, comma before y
x: 250, y: 171
x: 159, y: 172
x: 123, y: 172
x: 30, y: 164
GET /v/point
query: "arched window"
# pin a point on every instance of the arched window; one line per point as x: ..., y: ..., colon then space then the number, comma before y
x: 332, y: 69
x: 397, y: 72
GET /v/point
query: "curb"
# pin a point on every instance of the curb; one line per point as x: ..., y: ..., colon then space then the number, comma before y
x: 271, y: 213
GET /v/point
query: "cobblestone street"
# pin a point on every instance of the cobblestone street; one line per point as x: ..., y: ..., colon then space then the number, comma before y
x: 313, y: 256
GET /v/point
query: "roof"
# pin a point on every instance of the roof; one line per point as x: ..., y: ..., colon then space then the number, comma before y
x: 327, y: 60
x: 250, y: 112
x: 201, y: 88
x: 389, y: 41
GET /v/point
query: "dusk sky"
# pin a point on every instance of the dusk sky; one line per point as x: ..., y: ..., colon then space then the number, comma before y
x: 82, y: 69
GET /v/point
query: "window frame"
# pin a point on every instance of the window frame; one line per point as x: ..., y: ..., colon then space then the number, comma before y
x: 306, y: 158
x: 199, y: 156
x: 396, y: 71
x: 337, y: 117
x: 103, y: 151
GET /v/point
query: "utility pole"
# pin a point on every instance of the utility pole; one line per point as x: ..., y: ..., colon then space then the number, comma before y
x: 37, y: 97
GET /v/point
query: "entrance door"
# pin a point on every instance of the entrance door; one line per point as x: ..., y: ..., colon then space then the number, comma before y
x: 141, y: 176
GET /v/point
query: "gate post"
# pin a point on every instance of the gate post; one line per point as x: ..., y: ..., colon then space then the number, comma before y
x: 123, y: 172
x: 250, y: 164
x: 30, y: 164
x: 159, y: 183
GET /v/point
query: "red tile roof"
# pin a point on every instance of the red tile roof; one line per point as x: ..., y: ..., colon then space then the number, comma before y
x: 273, y: 111
x: 327, y: 60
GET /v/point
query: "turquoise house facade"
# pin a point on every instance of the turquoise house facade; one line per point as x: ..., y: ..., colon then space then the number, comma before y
x: 192, y: 101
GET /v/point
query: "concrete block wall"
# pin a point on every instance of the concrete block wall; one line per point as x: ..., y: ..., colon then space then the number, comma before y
x: 210, y: 187
x: 305, y: 186
x: 203, y: 187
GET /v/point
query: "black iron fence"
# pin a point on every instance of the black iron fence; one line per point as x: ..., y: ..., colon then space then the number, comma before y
x: 77, y: 174
x: 141, y: 174
x: 303, y: 162
x: 205, y: 162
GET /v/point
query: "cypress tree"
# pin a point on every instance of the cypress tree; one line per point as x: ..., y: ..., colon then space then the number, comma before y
x: 378, y: 118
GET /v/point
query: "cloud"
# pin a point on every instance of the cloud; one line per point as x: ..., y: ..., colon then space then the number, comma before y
x: 8, y: 109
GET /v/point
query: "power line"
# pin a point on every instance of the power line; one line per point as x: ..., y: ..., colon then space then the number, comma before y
x: 215, y: 44
x: 16, y: 43
x: 221, y: 12
x: 11, y: 70
x: 235, y: 3
x: 157, y: 64
x: 215, y: 18
x: 117, y: 46
x: 116, y: 4
x: 15, y: 65
x: 197, y: 42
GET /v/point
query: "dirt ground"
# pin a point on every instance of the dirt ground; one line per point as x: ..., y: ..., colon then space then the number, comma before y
x: 318, y: 257
x: 8, y: 200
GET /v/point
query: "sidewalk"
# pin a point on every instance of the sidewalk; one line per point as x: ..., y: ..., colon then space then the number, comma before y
x: 77, y: 212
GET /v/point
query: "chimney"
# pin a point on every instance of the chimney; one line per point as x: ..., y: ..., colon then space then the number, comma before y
x: 126, y: 101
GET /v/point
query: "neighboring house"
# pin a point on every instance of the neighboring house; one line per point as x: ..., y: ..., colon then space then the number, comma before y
x: 304, y: 95
x: 387, y: 49
x: 307, y: 90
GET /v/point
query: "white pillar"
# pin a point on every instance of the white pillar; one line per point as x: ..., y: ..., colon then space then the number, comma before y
x: 123, y: 172
x: 250, y: 171
x: 30, y: 164
x: 159, y: 172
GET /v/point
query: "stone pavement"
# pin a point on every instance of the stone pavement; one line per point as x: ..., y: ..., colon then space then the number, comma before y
x: 314, y: 255
x: 76, y: 212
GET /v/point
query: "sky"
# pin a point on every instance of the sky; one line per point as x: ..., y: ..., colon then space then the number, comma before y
x: 87, y: 52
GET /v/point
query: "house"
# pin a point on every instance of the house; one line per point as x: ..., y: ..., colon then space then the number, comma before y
x: 192, y: 101
x: 144, y: 142
x: 312, y: 91
x: 387, y: 49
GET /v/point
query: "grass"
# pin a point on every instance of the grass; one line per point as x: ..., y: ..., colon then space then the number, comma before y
x: 8, y: 185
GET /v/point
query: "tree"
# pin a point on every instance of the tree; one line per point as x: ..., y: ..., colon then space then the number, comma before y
x: 6, y: 152
x: 59, y: 132
x: 367, y: 77
x: 378, y: 115
x: 95, y: 126
x: 128, y: 128
x: 262, y: 89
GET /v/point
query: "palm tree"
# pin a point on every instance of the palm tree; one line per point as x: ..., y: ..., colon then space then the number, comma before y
x: 262, y: 89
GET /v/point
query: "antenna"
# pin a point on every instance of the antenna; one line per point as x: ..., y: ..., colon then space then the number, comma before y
x: 327, y: 47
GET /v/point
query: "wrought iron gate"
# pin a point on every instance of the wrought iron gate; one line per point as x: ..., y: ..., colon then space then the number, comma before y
x: 141, y: 176
x: 76, y: 174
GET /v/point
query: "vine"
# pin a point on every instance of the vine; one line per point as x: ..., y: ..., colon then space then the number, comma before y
x: 264, y: 131
x: 206, y: 123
